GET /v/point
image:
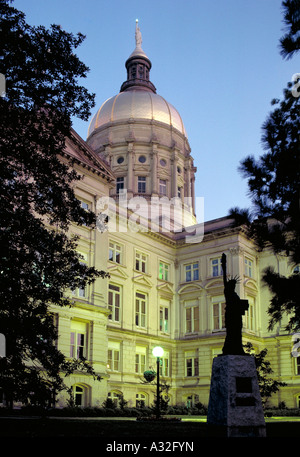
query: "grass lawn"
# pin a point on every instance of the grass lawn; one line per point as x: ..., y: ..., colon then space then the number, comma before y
x: 129, y: 429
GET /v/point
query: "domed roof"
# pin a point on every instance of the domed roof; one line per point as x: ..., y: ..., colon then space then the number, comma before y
x: 137, y: 105
x: 137, y: 99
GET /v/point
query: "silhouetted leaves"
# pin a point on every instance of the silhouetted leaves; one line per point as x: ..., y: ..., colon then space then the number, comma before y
x: 274, y: 187
x: 38, y: 259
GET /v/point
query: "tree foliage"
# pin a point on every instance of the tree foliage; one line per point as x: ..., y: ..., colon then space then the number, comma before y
x: 290, y: 42
x: 267, y: 385
x: 274, y: 188
x: 39, y: 262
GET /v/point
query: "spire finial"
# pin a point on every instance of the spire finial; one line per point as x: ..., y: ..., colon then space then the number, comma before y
x: 138, y: 67
x: 138, y: 35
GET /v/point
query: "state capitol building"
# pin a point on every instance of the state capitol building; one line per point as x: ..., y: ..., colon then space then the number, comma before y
x: 165, y: 286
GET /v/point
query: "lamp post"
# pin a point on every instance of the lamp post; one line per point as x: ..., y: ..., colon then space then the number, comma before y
x: 157, y: 352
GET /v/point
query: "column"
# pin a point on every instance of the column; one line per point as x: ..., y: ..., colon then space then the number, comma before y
x: 130, y: 184
x: 154, y: 189
x: 174, y: 162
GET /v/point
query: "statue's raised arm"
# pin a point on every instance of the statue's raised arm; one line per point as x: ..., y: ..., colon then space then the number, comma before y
x: 224, y: 269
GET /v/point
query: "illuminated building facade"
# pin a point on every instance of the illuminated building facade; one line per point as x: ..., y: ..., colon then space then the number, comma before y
x: 165, y: 287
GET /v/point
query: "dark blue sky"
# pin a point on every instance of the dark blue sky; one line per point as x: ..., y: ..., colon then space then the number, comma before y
x: 217, y: 62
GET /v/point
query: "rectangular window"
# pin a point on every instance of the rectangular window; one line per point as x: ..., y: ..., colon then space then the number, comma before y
x: 192, y: 319
x: 114, y: 356
x: 141, y: 262
x: 191, y: 365
x: 141, y: 184
x: 165, y: 365
x: 113, y: 359
x: 114, y: 302
x: 179, y: 192
x: 248, y: 268
x: 120, y: 184
x: 249, y: 315
x: 77, y: 345
x: 140, y: 360
x: 81, y: 292
x: 192, y: 272
x: 140, y: 310
x: 297, y: 361
x: 218, y: 315
x: 84, y: 205
x: 216, y: 267
x: 163, y: 271
x: 163, y: 187
x: 115, y: 252
x: 164, y: 319
x: 78, y: 340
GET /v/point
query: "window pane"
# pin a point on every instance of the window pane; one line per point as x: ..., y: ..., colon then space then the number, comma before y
x: 189, y: 370
x: 80, y: 339
x: 166, y: 272
x: 196, y: 366
x: 196, y: 319
x: 188, y: 273
x: 81, y: 292
x: 223, y: 314
x: 166, y: 320
x: 141, y: 184
x: 189, y: 320
x: 116, y: 360
x: 143, y: 363
x: 216, y: 315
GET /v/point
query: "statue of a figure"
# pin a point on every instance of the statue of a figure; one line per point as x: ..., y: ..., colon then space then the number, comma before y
x: 235, y: 308
x: 138, y: 35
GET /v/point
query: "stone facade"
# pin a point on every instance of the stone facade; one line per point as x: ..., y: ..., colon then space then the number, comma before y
x: 162, y: 289
x: 165, y: 291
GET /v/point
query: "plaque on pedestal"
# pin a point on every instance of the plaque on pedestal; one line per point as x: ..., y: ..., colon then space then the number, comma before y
x: 235, y: 407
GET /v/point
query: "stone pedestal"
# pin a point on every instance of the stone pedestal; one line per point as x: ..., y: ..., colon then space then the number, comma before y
x: 235, y: 408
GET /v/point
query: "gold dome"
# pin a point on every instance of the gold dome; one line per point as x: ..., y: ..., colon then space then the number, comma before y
x: 137, y: 105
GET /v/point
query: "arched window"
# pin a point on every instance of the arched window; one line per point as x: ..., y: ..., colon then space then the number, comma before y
x: 79, y: 395
x: 141, y: 400
x: 192, y: 400
x: 115, y: 397
x: 296, y: 269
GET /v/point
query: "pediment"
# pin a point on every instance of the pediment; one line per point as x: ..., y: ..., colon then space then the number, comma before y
x: 119, y: 168
x: 165, y: 288
x: 250, y: 284
x: 141, y: 167
x: 214, y: 283
x: 117, y: 271
x: 142, y: 280
x: 165, y: 173
x: 191, y: 287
